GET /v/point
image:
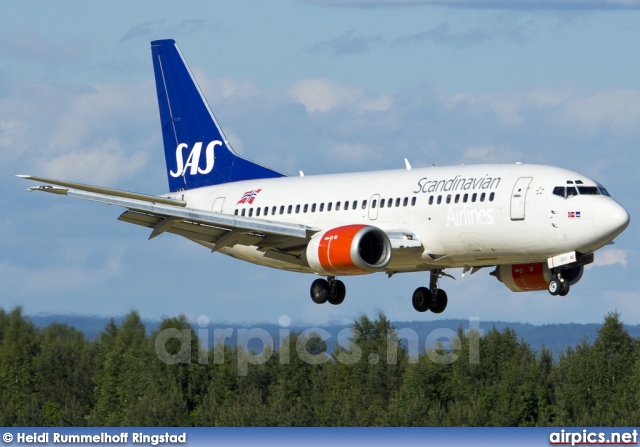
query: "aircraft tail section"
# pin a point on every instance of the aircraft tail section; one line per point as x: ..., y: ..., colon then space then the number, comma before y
x: 196, y: 150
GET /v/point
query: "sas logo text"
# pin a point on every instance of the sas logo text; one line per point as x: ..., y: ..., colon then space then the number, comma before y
x: 193, y: 160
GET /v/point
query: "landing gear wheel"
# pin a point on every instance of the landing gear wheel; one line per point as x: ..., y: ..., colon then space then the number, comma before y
x: 555, y: 286
x: 337, y: 292
x: 439, y: 302
x: 320, y: 291
x: 421, y: 299
x: 564, y: 288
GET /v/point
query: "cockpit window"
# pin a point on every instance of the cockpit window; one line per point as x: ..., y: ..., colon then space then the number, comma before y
x: 570, y: 191
x: 589, y: 190
x: 603, y: 190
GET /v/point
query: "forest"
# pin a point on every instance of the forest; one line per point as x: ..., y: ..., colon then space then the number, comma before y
x: 55, y: 376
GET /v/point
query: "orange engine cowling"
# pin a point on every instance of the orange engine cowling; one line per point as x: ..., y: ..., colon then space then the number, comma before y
x: 349, y: 250
x: 529, y: 277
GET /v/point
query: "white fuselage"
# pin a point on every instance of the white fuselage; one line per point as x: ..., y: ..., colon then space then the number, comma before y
x: 476, y: 215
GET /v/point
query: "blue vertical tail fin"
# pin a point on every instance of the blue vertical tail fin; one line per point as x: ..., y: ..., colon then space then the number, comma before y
x: 196, y: 151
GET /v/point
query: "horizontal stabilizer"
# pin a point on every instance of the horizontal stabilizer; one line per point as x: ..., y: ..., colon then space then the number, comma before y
x: 97, y: 189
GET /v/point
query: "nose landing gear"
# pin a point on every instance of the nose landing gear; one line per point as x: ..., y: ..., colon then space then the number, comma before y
x: 330, y: 289
x: 432, y: 298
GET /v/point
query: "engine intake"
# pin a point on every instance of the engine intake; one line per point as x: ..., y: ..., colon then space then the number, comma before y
x: 530, y: 277
x: 349, y: 250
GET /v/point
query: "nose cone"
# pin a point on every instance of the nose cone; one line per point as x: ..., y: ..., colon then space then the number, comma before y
x: 609, y: 219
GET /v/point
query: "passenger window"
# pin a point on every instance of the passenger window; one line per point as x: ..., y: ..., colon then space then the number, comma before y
x: 492, y: 196
x: 355, y: 205
x: 266, y: 210
x: 329, y: 206
x: 405, y: 202
x: 482, y: 197
x: 474, y: 197
x: 257, y: 212
x: 337, y: 206
x: 281, y: 209
x: 381, y: 203
x: 235, y: 212
x: 449, y: 198
x: 373, y: 203
x: 273, y: 210
x: 243, y: 211
x: 465, y: 198
x: 364, y: 204
x: 297, y: 209
x: 413, y: 201
x: 457, y: 198
x: 289, y: 209
x: 306, y: 208
x: 346, y: 205
x: 398, y: 202
x: 430, y: 200
x: 321, y: 207
x: 439, y: 200
x: 250, y: 212
x: 389, y: 203
x: 313, y: 208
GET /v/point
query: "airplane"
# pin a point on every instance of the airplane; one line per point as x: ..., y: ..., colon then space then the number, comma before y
x: 537, y: 226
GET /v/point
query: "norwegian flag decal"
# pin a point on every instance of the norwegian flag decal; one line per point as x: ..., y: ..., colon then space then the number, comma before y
x: 249, y: 197
x: 574, y: 214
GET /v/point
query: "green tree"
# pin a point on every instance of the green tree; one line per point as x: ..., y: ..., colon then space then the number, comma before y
x: 19, y: 376
x: 64, y: 365
x: 300, y: 381
x: 131, y: 386
x: 362, y: 380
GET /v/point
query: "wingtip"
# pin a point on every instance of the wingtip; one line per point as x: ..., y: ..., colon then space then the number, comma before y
x: 23, y: 176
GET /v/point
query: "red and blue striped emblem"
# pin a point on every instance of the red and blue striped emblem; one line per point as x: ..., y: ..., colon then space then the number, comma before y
x: 249, y: 197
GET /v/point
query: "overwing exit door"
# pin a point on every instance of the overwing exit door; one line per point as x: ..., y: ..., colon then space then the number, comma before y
x: 373, y: 206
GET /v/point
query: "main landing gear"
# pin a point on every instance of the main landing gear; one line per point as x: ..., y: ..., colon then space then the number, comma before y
x: 330, y: 289
x: 558, y: 284
x: 431, y: 298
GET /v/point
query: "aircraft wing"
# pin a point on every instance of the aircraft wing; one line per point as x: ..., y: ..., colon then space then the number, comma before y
x: 214, y: 230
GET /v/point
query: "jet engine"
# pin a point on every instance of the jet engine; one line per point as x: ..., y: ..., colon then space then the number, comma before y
x: 349, y: 250
x: 529, y: 277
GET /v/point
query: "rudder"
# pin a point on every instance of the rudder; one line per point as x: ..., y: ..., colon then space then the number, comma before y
x: 196, y: 151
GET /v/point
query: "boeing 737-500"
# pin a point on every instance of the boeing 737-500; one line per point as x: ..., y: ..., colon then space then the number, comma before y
x: 537, y: 226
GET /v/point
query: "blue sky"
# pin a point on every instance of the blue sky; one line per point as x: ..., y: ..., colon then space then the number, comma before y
x: 321, y: 86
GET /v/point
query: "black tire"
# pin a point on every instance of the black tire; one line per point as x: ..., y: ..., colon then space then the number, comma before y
x: 320, y: 291
x: 554, y: 286
x: 564, y: 288
x: 336, y: 296
x: 439, y: 302
x: 421, y: 299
